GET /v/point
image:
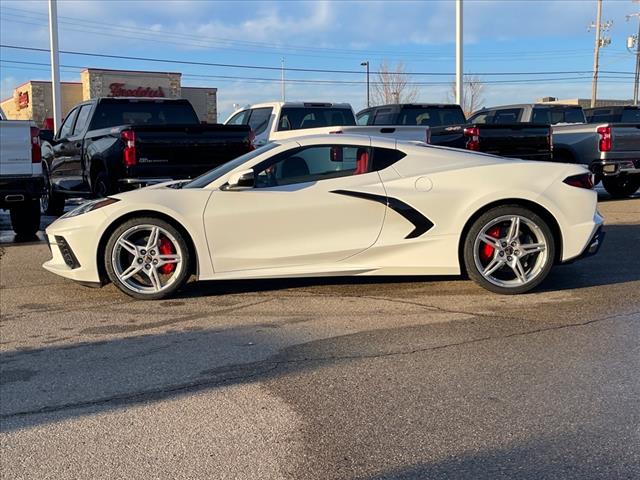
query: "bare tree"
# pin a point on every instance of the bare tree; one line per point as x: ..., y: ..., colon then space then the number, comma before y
x: 473, y: 90
x: 392, y: 85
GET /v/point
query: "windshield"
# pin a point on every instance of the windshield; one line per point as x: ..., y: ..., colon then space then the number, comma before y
x: 206, y: 178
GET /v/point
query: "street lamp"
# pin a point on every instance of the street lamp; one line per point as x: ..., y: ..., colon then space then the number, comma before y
x: 366, y: 64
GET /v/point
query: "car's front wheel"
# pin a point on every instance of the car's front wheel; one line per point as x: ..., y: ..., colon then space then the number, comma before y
x: 509, y: 250
x: 147, y: 258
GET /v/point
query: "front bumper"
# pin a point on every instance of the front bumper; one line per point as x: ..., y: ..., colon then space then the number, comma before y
x: 74, y: 247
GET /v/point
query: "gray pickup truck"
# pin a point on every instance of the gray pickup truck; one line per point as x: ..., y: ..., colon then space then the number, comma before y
x: 610, y: 150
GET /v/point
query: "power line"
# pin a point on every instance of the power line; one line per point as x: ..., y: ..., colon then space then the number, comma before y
x: 294, y: 69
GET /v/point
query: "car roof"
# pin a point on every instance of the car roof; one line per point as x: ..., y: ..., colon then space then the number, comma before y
x: 296, y: 104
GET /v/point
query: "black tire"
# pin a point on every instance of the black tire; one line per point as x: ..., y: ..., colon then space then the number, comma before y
x: 51, y: 202
x: 541, y: 267
x: 182, y: 275
x: 621, y: 186
x: 101, y: 186
x: 25, y: 218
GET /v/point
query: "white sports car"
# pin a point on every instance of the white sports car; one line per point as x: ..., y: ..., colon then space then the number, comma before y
x: 332, y: 205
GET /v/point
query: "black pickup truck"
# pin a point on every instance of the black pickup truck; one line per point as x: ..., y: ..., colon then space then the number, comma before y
x: 448, y: 127
x: 108, y: 145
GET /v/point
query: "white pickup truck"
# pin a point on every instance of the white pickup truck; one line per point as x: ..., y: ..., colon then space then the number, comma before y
x: 283, y: 120
x: 21, y: 181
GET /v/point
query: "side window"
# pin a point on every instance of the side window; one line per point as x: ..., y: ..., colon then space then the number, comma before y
x: 363, y: 118
x: 481, y: 117
x: 259, y: 119
x: 508, y: 115
x: 83, y: 118
x: 239, y: 118
x: 67, y: 125
x: 383, y: 116
x: 311, y: 164
x: 540, y: 115
x: 384, y: 157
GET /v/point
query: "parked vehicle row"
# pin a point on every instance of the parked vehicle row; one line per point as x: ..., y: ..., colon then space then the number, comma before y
x: 108, y: 145
x: 21, y: 181
x: 610, y: 150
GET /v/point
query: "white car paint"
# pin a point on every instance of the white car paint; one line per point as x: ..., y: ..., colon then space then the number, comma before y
x: 307, y: 229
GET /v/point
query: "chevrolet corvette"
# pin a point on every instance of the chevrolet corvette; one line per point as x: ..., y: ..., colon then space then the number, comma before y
x: 337, y: 205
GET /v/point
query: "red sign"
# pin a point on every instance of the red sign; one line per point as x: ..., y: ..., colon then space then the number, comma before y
x: 23, y: 100
x: 122, y: 90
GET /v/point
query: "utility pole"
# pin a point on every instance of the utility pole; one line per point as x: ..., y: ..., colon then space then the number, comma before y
x: 631, y: 41
x: 55, y: 63
x: 282, y: 78
x: 600, y: 42
x: 366, y: 64
x: 459, y: 79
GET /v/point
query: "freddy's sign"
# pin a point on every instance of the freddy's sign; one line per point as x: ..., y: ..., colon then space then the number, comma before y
x: 23, y: 100
x: 123, y: 90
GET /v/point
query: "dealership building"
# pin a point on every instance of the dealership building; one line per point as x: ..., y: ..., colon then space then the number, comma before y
x: 33, y: 100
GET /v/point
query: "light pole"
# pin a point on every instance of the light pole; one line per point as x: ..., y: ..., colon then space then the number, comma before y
x: 459, y: 79
x: 635, y: 39
x: 366, y: 64
x: 600, y: 42
x: 55, y: 67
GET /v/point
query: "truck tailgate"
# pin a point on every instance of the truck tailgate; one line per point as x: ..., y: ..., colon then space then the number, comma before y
x: 179, y: 151
x: 15, y: 154
x: 520, y: 140
x: 625, y: 137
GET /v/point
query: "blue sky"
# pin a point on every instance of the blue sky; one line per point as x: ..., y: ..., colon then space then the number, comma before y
x: 500, y: 36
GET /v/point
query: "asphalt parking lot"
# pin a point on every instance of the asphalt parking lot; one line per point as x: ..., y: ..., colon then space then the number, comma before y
x: 320, y: 379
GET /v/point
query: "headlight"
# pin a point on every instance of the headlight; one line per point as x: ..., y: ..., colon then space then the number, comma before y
x: 89, y: 207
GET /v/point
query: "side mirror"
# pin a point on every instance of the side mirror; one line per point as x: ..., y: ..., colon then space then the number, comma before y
x: 240, y: 180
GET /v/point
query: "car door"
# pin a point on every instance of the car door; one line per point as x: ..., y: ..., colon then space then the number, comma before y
x: 76, y: 148
x: 306, y: 208
x: 60, y: 168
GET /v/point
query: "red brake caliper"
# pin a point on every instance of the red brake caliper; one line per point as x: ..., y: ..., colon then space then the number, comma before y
x: 486, y: 252
x: 166, y: 248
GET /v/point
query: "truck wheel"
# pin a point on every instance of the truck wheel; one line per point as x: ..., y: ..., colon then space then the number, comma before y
x: 621, y: 186
x: 51, y: 203
x: 509, y: 249
x: 25, y: 218
x: 101, y: 185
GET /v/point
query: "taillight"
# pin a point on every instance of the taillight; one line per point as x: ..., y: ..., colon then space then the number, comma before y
x: 36, y: 151
x: 336, y: 132
x: 550, y: 139
x: 129, y: 152
x: 251, y: 141
x: 474, y: 138
x: 605, y: 139
x: 582, y: 180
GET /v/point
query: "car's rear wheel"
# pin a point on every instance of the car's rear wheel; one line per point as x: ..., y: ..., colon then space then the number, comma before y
x: 509, y: 250
x: 147, y: 258
x: 621, y: 186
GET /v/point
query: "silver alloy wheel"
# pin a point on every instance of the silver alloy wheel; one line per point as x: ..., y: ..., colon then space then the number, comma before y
x: 137, y: 260
x: 517, y: 255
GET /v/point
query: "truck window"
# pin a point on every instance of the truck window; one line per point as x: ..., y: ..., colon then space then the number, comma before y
x: 239, y: 118
x: 67, y: 125
x: 507, y: 115
x: 555, y: 115
x: 363, y: 118
x: 83, y: 118
x: 630, y: 115
x: 384, y: 116
x: 295, y: 118
x: 481, y: 117
x: 431, y: 116
x: 259, y: 119
x: 111, y: 114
